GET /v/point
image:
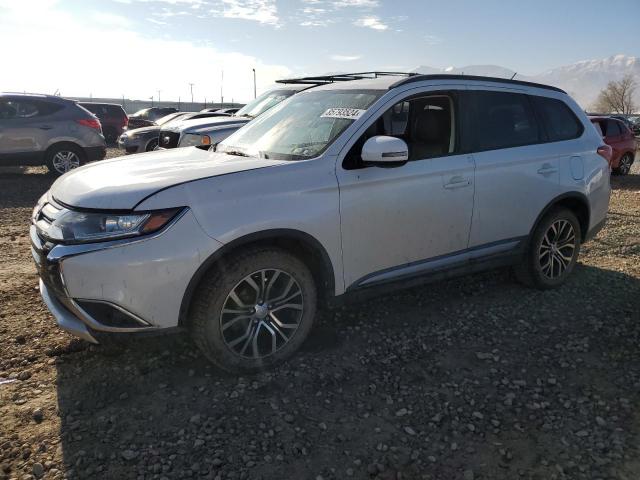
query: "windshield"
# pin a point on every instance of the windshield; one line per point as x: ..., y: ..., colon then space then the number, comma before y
x: 168, y: 118
x: 263, y: 103
x: 302, y: 127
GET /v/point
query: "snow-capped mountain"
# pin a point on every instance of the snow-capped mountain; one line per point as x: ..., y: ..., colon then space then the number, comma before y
x: 582, y: 80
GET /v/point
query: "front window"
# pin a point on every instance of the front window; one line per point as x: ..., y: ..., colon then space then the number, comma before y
x: 264, y: 102
x: 302, y: 127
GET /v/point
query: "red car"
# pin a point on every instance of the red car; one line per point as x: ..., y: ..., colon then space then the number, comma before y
x: 112, y: 117
x: 621, y: 140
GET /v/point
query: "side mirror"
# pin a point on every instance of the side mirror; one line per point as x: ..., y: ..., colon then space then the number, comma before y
x: 385, y: 151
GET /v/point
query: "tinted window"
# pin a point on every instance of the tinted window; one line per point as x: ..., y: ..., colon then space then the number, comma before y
x: 504, y: 120
x: 560, y: 122
x: 613, y: 128
x: 27, y: 108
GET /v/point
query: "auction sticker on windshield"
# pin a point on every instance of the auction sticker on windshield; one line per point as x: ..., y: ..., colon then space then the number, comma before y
x: 346, y: 113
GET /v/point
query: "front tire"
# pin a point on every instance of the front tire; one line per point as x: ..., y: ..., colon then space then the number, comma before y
x: 151, y: 146
x: 624, y: 166
x: 552, y: 251
x: 254, y: 310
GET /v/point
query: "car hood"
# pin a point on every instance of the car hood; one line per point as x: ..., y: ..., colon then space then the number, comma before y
x: 143, y: 130
x: 204, y: 122
x: 123, y: 182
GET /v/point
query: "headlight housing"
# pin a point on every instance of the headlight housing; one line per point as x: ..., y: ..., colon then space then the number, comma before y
x: 194, y: 140
x: 71, y: 226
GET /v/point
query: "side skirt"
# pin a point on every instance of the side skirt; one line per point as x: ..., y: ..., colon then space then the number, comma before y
x: 467, y: 262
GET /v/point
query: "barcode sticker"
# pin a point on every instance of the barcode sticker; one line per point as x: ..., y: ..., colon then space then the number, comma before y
x: 346, y: 113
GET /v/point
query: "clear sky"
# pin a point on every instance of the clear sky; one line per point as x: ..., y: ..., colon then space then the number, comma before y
x: 137, y: 47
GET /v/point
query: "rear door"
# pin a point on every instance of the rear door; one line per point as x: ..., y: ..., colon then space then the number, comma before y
x: 517, y: 174
x: 613, y: 137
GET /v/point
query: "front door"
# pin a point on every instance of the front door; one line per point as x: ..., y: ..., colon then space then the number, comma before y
x: 400, y: 221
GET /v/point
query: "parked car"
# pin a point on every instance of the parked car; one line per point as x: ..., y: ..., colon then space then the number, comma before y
x: 112, y: 117
x: 147, y: 116
x: 185, y: 133
x: 145, y: 139
x: 48, y: 130
x: 622, y: 141
x: 351, y: 187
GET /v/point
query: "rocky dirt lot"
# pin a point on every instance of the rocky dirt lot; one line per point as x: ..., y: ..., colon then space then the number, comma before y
x: 475, y: 378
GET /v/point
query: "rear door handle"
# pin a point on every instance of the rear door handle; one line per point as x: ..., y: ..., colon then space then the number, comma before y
x: 45, y: 127
x: 457, y: 182
x: 547, y: 169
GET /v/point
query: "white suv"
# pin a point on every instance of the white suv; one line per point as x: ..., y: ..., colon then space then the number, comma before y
x: 346, y: 187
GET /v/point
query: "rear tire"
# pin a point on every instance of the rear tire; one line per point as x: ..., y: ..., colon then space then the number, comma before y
x: 254, y: 310
x: 552, y: 251
x: 110, y: 136
x: 64, y: 157
x: 624, y: 165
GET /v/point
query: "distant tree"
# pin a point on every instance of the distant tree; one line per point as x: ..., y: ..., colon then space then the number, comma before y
x: 617, y: 97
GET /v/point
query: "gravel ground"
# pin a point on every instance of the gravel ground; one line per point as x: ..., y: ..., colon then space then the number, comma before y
x: 474, y: 378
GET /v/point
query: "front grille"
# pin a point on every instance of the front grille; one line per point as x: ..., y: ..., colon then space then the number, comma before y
x: 168, y: 139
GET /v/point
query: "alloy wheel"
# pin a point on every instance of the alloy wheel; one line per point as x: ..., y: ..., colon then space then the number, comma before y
x: 65, y: 160
x: 625, y: 164
x: 557, y: 249
x: 262, y: 313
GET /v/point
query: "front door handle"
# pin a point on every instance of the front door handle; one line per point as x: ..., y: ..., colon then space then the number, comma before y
x: 547, y: 169
x: 45, y: 127
x: 457, y: 182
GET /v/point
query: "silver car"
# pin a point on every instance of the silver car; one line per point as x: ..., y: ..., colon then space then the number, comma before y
x: 348, y: 188
x: 192, y: 132
x: 145, y: 139
x: 48, y: 130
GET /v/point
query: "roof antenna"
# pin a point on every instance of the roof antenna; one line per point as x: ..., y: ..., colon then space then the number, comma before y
x: 513, y: 76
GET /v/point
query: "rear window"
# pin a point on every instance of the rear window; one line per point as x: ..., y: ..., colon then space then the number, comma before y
x: 103, y: 110
x: 613, y: 128
x: 560, y: 122
x: 504, y: 120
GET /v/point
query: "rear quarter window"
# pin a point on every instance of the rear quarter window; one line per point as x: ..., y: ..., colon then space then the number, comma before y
x: 560, y: 123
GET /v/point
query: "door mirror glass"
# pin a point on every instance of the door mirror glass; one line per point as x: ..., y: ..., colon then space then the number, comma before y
x: 383, y: 150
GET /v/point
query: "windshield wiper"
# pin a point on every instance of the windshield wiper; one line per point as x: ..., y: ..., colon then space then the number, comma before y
x: 238, y: 153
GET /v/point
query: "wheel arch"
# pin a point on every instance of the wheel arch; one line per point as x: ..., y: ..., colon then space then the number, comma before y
x: 307, y: 248
x: 60, y: 143
x: 577, y: 202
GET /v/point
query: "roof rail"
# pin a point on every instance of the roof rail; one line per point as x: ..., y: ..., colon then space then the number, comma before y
x: 342, y: 77
x: 421, y: 78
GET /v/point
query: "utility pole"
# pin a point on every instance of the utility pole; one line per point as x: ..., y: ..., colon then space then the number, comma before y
x: 254, y: 83
x: 205, y: 102
x: 191, y: 85
x: 178, y: 103
x: 159, y: 96
x: 221, y: 84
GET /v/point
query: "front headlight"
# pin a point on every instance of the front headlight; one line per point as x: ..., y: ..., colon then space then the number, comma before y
x: 194, y: 140
x: 41, y: 201
x: 70, y: 226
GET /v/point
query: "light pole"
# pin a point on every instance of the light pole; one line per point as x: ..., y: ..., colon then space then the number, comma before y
x: 151, y: 98
x: 254, y: 83
x: 159, y: 96
x: 221, y: 84
x: 191, y: 86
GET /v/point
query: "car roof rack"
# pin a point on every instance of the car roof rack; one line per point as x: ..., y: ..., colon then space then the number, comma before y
x: 342, y: 77
x: 420, y: 78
